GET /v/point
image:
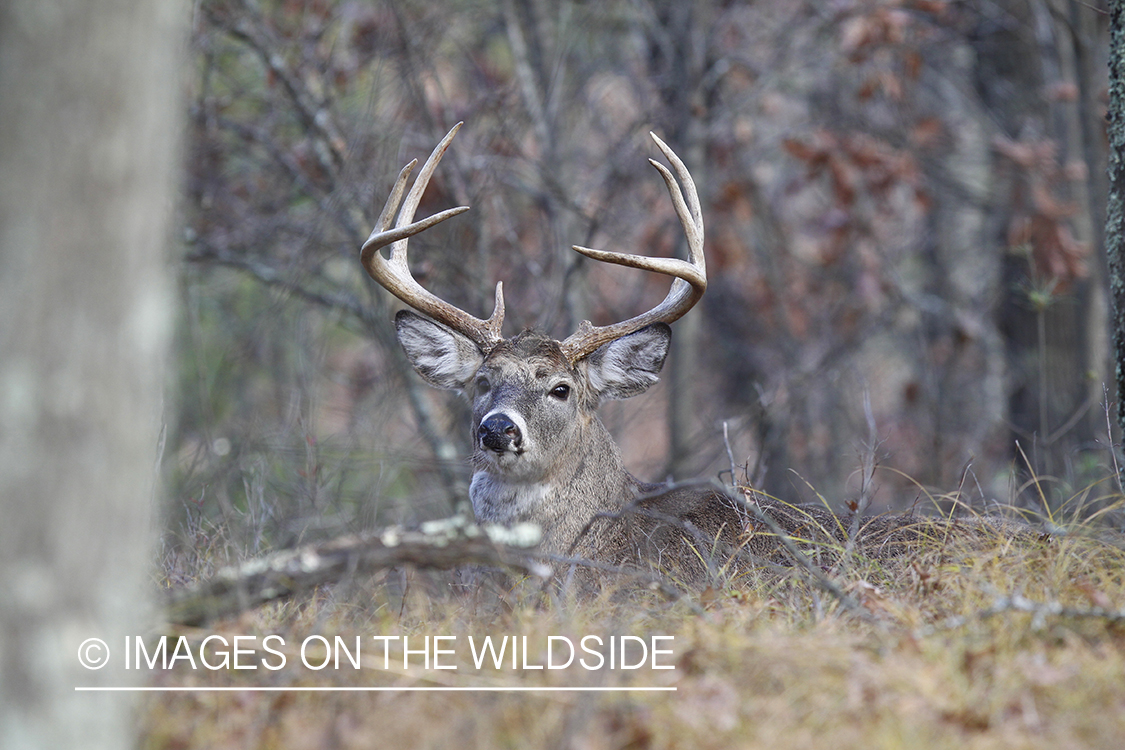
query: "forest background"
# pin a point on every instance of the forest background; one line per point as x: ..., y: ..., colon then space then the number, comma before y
x: 903, y: 202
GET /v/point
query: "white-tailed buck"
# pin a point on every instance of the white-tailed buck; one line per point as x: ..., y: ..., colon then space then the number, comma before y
x: 540, y: 452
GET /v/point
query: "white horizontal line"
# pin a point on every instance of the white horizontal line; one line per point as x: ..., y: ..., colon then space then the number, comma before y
x: 370, y: 689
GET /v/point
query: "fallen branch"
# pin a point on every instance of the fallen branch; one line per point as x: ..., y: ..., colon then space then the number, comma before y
x: 1039, y: 612
x: 445, y: 544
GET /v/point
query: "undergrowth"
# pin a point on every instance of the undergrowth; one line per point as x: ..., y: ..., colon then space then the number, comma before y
x: 1005, y: 642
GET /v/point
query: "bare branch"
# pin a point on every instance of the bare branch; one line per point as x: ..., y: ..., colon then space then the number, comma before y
x: 1039, y: 611
x: 314, y: 117
x: 371, y: 321
x: 442, y: 545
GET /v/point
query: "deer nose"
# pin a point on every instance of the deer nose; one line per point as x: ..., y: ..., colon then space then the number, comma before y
x: 499, y: 433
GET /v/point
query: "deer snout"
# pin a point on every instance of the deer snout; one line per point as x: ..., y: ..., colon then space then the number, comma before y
x: 499, y: 433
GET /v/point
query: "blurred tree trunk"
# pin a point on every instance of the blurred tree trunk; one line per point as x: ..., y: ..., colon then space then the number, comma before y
x: 88, y: 124
x: 677, y: 55
x: 969, y: 384
x: 1083, y: 30
x: 1076, y: 356
x: 1035, y: 78
x: 1115, y: 209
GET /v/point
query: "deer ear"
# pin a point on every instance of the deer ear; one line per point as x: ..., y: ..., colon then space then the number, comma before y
x: 443, y: 357
x: 631, y: 364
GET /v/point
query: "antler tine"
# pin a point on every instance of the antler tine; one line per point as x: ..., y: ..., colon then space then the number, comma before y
x: 690, y: 276
x: 394, y: 273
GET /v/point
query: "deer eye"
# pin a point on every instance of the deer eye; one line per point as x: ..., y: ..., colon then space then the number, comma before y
x: 561, y: 391
x: 483, y: 386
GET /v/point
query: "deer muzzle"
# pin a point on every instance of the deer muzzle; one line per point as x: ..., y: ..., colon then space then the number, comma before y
x: 500, y: 434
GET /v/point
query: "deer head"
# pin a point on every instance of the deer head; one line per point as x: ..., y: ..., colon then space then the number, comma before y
x: 541, y: 453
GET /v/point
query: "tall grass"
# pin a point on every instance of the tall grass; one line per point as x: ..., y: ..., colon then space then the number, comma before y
x: 1000, y: 641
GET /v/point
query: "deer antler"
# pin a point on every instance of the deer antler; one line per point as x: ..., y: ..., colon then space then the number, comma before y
x: 394, y: 273
x: 691, y: 275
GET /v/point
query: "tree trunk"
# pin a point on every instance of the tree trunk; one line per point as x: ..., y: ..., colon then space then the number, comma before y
x: 1115, y: 209
x: 88, y: 125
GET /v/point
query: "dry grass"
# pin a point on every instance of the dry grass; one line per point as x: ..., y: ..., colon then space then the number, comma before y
x: 772, y: 662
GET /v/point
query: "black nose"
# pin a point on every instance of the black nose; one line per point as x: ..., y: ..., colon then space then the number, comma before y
x: 498, y: 433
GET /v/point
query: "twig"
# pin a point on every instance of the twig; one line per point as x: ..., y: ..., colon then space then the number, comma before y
x: 1040, y: 611
x: 1109, y: 438
x: 282, y: 156
x: 821, y: 578
x: 315, y: 118
x: 866, y: 481
x: 371, y: 320
x: 368, y: 317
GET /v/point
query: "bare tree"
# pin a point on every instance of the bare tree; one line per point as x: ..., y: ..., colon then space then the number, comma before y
x: 88, y: 126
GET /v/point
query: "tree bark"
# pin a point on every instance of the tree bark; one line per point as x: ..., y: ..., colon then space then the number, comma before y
x: 88, y: 127
x: 1115, y: 208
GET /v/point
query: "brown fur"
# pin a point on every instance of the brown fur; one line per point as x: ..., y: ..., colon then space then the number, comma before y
x: 696, y: 535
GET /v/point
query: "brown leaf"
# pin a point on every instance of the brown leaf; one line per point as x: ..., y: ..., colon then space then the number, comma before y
x: 1061, y: 91
x: 927, y: 132
x: 1021, y: 153
x: 856, y: 33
